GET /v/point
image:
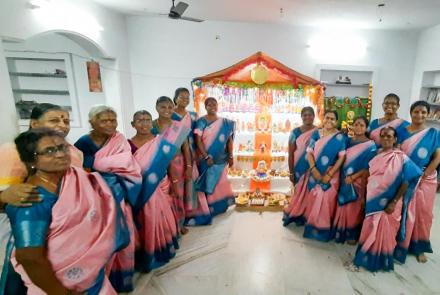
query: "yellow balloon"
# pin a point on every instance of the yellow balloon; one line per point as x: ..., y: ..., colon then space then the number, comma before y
x: 259, y: 74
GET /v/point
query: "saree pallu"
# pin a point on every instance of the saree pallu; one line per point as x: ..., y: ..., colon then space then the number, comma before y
x: 322, y: 197
x: 177, y: 202
x: 420, y: 147
x: 81, y: 229
x: 199, y: 214
x: 296, y: 210
x: 120, y: 170
x: 155, y: 219
x: 195, y: 203
x: 375, y: 128
x: 351, y: 197
x: 380, y: 231
x: 213, y: 180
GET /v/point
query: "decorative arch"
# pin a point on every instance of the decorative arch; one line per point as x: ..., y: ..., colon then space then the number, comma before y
x: 89, y: 45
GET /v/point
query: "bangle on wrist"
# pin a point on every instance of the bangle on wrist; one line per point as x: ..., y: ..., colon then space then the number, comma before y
x: 174, y: 180
x: 328, y: 174
x: 189, y: 166
x: 311, y: 168
x: 207, y: 157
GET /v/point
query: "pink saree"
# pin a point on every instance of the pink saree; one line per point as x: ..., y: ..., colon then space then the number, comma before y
x: 420, y: 147
x: 115, y: 157
x: 157, y: 226
x: 82, y: 235
x: 214, y: 180
x: 388, y: 170
x: 296, y: 211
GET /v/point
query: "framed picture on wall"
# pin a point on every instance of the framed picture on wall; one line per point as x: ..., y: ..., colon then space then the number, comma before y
x: 94, y: 74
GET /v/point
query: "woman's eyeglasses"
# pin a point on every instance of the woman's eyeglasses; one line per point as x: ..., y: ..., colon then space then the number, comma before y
x: 52, y: 150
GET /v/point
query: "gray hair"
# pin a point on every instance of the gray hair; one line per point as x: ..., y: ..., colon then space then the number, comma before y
x: 98, y: 109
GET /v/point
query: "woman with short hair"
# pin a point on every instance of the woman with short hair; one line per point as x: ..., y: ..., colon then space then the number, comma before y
x: 390, y: 105
x: 157, y: 225
x: 108, y: 152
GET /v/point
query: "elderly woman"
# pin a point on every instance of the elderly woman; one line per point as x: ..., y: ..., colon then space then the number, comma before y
x: 158, y: 230
x: 13, y: 172
x: 422, y: 146
x: 63, y: 243
x: 391, y: 173
x: 108, y: 152
x: 214, y: 138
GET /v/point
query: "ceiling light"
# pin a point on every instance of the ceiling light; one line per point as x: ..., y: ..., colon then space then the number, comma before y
x: 334, y: 47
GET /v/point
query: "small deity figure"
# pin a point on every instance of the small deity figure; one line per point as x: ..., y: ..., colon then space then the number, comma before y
x: 263, y: 147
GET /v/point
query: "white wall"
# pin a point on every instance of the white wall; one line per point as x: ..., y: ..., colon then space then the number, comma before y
x: 166, y: 54
x: 427, y: 58
x: 8, y: 119
x: 83, y: 17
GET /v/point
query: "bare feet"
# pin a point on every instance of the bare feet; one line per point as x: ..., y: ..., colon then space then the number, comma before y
x: 352, y: 242
x: 184, y: 230
x: 422, y: 258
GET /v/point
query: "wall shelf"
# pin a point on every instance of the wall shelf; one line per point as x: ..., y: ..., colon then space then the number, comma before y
x: 40, y: 75
x: 346, y: 85
x: 430, y: 92
x: 431, y: 86
x: 35, y: 58
x: 41, y: 91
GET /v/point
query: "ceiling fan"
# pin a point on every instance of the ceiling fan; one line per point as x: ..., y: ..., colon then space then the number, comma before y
x: 176, y: 12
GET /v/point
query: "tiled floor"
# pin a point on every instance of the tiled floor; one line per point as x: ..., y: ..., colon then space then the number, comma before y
x: 251, y: 253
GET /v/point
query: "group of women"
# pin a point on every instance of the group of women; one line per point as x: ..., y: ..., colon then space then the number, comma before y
x: 84, y: 217
x: 375, y: 187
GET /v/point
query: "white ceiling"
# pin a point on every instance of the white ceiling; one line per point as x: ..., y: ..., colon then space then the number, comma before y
x: 397, y: 14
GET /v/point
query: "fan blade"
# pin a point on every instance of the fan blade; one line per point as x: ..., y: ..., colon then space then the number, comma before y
x: 192, y: 19
x: 153, y: 14
x: 179, y: 9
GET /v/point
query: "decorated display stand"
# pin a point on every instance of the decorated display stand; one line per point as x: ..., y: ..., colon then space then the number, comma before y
x: 264, y: 98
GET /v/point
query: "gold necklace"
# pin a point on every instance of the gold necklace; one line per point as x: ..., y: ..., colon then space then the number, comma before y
x: 160, y: 125
x: 45, y: 180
